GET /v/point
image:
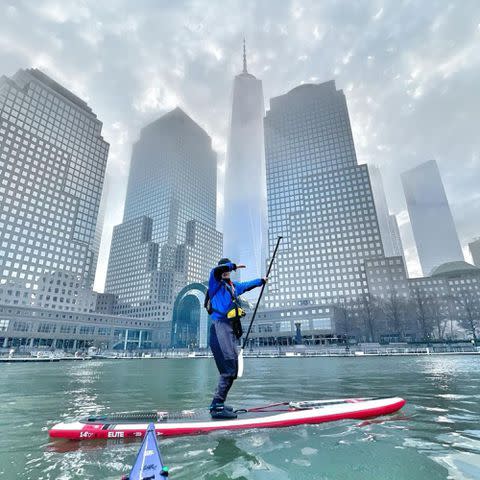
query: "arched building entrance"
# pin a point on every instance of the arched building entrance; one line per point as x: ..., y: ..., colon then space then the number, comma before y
x: 190, y: 321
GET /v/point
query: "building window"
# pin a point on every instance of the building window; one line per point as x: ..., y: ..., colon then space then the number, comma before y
x: 104, y: 331
x: 46, y: 328
x: 322, y: 323
x: 21, y: 326
x: 86, y: 330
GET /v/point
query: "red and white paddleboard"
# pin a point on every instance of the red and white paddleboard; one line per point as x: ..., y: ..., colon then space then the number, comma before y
x: 191, y: 423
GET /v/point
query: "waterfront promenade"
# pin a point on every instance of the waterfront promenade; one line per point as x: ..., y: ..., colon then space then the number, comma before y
x: 359, y: 350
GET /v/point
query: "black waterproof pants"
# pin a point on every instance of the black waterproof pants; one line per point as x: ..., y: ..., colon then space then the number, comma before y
x: 223, y: 344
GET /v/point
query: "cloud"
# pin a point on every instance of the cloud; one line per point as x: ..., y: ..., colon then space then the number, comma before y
x: 61, y: 12
x: 378, y: 15
x: 155, y: 98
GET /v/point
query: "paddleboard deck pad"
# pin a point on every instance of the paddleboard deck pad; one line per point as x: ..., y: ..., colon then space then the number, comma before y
x: 285, y: 414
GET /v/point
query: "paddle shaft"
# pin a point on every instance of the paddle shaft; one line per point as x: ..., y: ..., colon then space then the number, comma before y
x: 261, y: 293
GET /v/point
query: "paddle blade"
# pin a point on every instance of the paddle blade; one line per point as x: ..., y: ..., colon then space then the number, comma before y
x: 240, y: 364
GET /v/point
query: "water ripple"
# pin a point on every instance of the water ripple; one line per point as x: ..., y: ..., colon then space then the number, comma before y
x: 436, y: 435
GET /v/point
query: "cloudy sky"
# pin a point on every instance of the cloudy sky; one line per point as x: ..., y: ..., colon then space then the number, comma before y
x: 410, y: 71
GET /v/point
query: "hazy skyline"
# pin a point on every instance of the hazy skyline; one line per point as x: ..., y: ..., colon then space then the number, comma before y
x: 410, y: 73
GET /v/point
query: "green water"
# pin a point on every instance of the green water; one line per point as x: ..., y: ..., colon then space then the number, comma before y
x: 437, y: 435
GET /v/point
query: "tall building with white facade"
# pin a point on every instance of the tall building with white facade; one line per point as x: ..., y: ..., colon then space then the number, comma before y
x: 386, y: 222
x: 245, y: 204
x: 52, y: 167
x: 319, y: 199
x: 432, y: 223
x: 168, y: 237
x: 396, y: 238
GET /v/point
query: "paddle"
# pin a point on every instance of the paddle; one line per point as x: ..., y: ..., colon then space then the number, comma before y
x: 240, y: 355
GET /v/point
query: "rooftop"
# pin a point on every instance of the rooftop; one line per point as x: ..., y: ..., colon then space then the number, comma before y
x: 46, y: 80
x: 176, y: 119
x: 453, y: 269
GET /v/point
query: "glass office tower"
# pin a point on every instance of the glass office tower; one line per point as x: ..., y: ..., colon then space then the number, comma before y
x: 168, y: 237
x: 52, y: 167
x: 319, y: 199
x: 173, y: 177
x: 245, y: 212
x: 430, y: 216
x: 396, y: 238
x: 386, y: 222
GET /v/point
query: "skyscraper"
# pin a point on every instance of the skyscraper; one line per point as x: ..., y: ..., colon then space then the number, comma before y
x: 475, y: 251
x: 52, y: 167
x: 319, y: 199
x: 132, y: 266
x: 245, y: 218
x: 385, y: 222
x: 168, y: 237
x: 396, y: 238
x: 198, y: 254
x: 173, y: 177
x: 430, y: 216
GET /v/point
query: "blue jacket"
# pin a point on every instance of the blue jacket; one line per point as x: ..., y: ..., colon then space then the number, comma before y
x: 220, y: 296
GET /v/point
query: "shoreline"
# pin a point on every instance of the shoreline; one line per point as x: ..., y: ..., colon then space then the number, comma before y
x: 286, y: 355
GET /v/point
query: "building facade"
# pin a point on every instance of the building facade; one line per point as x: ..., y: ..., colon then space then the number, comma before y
x: 63, y: 291
x: 32, y: 327
x: 245, y: 209
x: 190, y: 321
x: 387, y: 222
x: 387, y: 276
x: 52, y: 167
x: 447, y: 299
x: 132, y: 266
x: 168, y: 237
x: 173, y: 178
x: 432, y: 223
x: 383, y: 213
x: 319, y: 199
x: 396, y: 238
x: 281, y: 326
x: 475, y: 251
x: 198, y: 254
x: 272, y: 327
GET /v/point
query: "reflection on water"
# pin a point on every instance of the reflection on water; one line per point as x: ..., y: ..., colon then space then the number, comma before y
x: 436, y: 436
x: 82, y: 382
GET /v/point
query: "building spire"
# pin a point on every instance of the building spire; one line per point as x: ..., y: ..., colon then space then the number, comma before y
x: 244, y: 57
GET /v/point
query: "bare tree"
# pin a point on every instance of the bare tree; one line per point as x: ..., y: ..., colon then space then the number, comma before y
x: 469, y: 312
x: 438, y: 310
x: 344, y: 317
x: 395, y: 309
x: 420, y: 305
x: 367, y: 310
x: 341, y: 316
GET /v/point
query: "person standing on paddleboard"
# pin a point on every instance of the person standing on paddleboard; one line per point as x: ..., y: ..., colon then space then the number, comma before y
x: 224, y: 308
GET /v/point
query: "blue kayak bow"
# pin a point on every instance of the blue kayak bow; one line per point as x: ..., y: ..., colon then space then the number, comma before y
x: 148, y: 464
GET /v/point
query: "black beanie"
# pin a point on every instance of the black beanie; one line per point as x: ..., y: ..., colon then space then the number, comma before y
x: 223, y: 261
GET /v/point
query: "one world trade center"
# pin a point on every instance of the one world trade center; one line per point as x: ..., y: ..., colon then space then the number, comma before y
x: 245, y: 214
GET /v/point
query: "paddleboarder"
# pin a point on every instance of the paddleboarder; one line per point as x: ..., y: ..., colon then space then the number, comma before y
x: 223, y: 305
